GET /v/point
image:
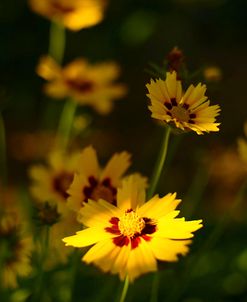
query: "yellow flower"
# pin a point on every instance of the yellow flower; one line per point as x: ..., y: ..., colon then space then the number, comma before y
x: 51, y: 181
x: 187, y: 111
x: 73, y: 14
x: 85, y: 83
x: 212, y: 74
x: 90, y: 182
x: 242, y: 145
x: 15, y: 250
x: 130, y: 237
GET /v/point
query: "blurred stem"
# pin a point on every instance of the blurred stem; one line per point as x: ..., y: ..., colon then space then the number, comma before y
x: 57, y: 41
x: 195, y: 262
x: 3, y: 157
x: 43, y: 254
x: 65, y: 124
x: 159, y: 164
x: 125, y: 289
x: 74, y: 268
x: 155, y: 288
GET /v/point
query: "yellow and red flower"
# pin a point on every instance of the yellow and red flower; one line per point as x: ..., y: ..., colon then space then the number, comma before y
x: 130, y: 237
x: 73, y: 14
x: 92, y: 182
x: 84, y: 83
x: 187, y: 111
x: 51, y: 181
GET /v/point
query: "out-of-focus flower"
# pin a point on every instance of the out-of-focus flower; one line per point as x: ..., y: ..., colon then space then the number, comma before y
x: 50, y: 182
x: 242, y: 145
x: 227, y: 173
x: 15, y: 249
x: 84, y: 83
x: 73, y: 14
x: 187, y: 111
x: 212, y: 74
x: 175, y: 59
x: 130, y: 237
x: 90, y: 182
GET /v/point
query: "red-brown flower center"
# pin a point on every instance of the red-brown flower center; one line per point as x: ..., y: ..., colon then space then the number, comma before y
x: 59, y: 8
x: 100, y: 190
x: 61, y: 183
x: 130, y: 228
x: 80, y: 85
x: 180, y: 112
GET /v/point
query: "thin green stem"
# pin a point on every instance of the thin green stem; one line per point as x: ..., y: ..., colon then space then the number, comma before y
x: 44, y: 240
x: 3, y: 157
x: 159, y: 164
x: 65, y: 124
x: 125, y: 289
x: 155, y: 288
x: 57, y: 41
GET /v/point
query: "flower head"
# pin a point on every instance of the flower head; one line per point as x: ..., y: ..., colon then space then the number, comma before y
x: 15, y: 248
x: 92, y: 182
x: 187, y: 111
x: 130, y: 237
x: 85, y: 83
x: 73, y: 14
x: 50, y: 182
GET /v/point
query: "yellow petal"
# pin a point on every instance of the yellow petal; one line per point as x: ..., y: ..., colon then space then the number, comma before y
x: 87, y: 237
x: 177, y: 228
x: 168, y: 250
x: 97, y: 214
x: 159, y: 207
x: 88, y: 162
x: 141, y: 260
x: 116, y: 167
x: 132, y: 193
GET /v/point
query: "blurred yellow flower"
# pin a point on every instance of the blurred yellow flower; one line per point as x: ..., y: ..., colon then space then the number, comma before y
x: 187, y: 111
x: 90, y: 182
x: 73, y: 14
x: 15, y: 249
x: 212, y: 74
x: 83, y: 82
x: 50, y: 182
x: 242, y: 145
x: 131, y: 236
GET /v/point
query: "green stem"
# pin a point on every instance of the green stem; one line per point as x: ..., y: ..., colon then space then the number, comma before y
x: 65, y: 124
x: 57, y: 41
x: 159, y: 164
x: 38, y: 294
x: 125, y: 289
x: 3, y: 157
x: 155, y: 288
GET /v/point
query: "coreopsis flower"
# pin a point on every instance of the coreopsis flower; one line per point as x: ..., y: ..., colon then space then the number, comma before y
x: 73, y: 14
x: 92, y: 182
x: 50, y: 183
x: 15, y: 249
x: 130, y: 237
x: 190, y: 110
x: 84, y: 83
